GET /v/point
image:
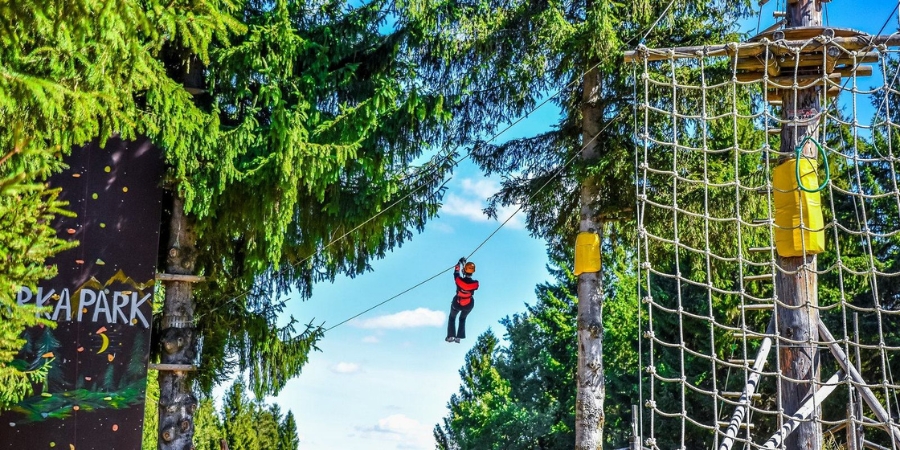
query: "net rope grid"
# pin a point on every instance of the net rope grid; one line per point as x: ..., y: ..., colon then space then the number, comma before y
x: 712, y: 224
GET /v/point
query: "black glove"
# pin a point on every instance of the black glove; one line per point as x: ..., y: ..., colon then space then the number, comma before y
x: 462, y: 260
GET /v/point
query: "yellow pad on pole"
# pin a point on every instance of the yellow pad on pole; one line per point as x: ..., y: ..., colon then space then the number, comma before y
x: 798, y: 214
x: 587, y: 253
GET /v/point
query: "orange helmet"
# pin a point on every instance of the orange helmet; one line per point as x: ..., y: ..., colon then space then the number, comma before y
x: 469, y: 268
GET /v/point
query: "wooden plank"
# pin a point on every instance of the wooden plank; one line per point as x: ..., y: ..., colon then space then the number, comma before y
x: 849, y: 71
x: 722, y: 423
x: 180, y: 277
x: 803, y: 81
x: 173, y: 367
x: 758, y: 63
x: 763, y: 277
x: 759, y: 307
x: 738, y: 395
x: 757, y: 48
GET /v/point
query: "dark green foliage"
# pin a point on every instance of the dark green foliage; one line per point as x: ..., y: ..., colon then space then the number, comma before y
x: 26, y: 240
x: 242, y: 423
x: 307, y: 128
x: 208, y: 429
x: 497, y: 61
x: 253, y: 425
x: 305, y: 138
x: 287, y: 433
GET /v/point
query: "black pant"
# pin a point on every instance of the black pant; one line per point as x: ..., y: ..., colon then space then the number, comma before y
x: 456, y: 308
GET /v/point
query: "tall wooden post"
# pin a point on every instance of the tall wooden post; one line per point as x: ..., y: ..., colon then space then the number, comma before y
x: 589, y: 415
x: 178, y: 340
x: 798, y: 317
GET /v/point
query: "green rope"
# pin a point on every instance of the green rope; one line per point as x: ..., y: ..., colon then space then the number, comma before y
x: 798, y: 153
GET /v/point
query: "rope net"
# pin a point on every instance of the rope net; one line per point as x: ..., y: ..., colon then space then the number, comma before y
x: 769, y: 312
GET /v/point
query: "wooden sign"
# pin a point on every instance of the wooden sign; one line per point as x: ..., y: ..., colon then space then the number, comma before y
x: 101, y: 301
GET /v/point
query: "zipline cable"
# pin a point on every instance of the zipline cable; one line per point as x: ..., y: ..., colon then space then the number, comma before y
x: 556, y: 173
x: 444, y: 159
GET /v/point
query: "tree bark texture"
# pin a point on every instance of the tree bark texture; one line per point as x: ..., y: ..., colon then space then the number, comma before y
x: 177, y: 403
x: 798, y: 316
x: 589, y: 414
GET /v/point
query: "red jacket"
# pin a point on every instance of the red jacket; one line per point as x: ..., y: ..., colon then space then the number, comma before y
x: 465, y: 287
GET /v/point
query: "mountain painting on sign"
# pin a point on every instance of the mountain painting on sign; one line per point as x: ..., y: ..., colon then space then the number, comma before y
x: 96, y: 356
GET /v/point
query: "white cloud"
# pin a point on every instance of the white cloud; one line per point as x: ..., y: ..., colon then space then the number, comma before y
x: 419, y: 317
x: 406, y: 432
x: 345, y: 368
x: 471, y: 199
x: 483, y: 188
x: 371, y: 340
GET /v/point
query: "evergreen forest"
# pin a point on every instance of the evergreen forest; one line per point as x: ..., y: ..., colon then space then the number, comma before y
x: 305, y: 139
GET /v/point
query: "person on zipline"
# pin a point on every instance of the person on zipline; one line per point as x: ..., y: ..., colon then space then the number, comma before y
x: 462, y: 301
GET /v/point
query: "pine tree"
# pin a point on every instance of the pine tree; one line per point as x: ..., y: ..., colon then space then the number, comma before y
x: 287, y: 433
x: 208, y: 428
x: 238, y: 417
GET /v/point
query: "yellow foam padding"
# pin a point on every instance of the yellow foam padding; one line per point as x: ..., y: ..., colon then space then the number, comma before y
x: 587, y: 253
x: 798, y: 214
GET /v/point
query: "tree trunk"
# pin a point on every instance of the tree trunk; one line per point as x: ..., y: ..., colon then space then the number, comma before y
x: 589, y: 415
x: 798, y: 320
x: 177, y: 342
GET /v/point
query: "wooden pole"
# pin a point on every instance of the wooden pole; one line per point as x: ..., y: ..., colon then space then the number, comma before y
x: 797, y: 313
x: 591, y: 391
x: 743, y: 407
x: 803, y: 414
x: 884, y: 419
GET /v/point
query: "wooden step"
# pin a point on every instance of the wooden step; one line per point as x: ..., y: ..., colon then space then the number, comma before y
x: 759, y: 307
x: 743, y: 424
x: 755, y: 395
x: 748, y: 362
x: 760, y: 249
x: 763, y: 277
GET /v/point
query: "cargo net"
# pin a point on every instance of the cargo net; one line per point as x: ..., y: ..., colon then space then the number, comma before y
x: 770, y: 309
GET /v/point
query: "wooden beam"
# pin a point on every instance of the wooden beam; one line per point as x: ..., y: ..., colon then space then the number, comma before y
x: 180, y: 277
x: 803, y: 414
x: 743, y: 407
x: 757, y: 48
x: 757, y: 63
x: 173, y: 367
x: 859, y: 383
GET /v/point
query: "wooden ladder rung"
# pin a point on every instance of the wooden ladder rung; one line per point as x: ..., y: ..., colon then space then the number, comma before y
x: 740, y: 361
x: 743, y: 424
x: 758, y: 307
x: 173, y: 367
x: 739, y: 394
x: 180, y: 277
x: 763, y: 277
x: 760, y: 249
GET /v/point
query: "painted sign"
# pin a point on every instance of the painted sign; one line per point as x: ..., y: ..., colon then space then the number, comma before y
x: 101, y: 301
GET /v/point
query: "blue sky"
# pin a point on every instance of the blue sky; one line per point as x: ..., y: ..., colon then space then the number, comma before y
x: 382, y: 381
